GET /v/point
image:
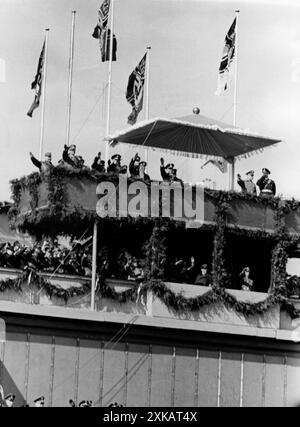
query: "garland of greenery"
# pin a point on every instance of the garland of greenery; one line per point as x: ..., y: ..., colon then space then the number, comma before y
x: 59, y: 214
x: 176, y: 302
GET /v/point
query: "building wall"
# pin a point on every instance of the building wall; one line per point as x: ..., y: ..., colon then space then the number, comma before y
x: 140, y: 370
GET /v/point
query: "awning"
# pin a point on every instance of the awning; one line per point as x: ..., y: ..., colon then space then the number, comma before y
x: 193, y: 136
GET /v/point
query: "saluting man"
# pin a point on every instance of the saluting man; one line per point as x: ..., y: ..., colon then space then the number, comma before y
x: 44, y: 166
x: 247, y: 185
x: 266, y: 185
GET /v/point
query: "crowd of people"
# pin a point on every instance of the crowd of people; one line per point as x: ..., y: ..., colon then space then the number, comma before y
x: 50, y: 256
x: 136, y: 168
x: 266, y: 185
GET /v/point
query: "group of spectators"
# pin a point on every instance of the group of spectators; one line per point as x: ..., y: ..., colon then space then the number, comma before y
x: 136, y: 168
x: 52, y: 257
x: 47, y: 256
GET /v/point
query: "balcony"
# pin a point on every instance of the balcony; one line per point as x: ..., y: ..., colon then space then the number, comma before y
x: 148, y: 309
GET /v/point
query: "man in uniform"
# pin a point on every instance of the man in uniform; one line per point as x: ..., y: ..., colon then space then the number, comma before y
x: 44, y: 166
x: 114, y: 165
x: 98, y: 164
x: 142, y: 174
x: 266, y: 185
x: 166, y: 171
x: 69, y: 156
x: 134, y: 166
x: 247, y: 185
x: 204, y: 278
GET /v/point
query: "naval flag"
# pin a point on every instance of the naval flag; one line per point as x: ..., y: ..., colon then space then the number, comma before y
x: 135, y: 90
x: 36, y: 85
x: 227, y: 58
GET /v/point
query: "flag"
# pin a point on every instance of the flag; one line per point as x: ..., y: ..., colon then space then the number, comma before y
x: 135, y: 90
x: 221, y: 164
x: 227, y: 58
x: 103, y: 14
x: 105, y: 46
x: 36, y: 85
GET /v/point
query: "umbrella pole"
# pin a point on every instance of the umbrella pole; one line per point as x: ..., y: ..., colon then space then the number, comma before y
x: 232, y: 167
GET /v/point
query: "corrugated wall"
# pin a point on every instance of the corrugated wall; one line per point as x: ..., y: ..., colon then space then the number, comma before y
x: 62, y: 368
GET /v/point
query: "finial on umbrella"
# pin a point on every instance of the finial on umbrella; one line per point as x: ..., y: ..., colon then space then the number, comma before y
x: 196, y: 110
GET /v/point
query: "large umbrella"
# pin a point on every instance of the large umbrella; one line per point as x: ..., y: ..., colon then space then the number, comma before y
x: 193, y: 136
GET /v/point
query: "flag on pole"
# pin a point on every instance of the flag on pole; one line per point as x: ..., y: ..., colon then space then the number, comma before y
x: 135, y: 90
x: 103, y: 15
x: 220, y: 164
x: 36, y: 85
x: 227, y: 58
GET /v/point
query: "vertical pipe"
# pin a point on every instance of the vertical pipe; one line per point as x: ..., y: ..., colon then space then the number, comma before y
x: 219, y: 379
x: 149, y: 377
x: 285, y: 382
x: 196, y: 394
x: 173, y: 377
x: 126, y: 375
x: 52, y: 361
x: 264, y: 382
x: 26, y: 379
x: 43, y: 95
x: 94, y: 265
x: 101, y: 373
x: 109, y: 79
x: 147, y: 92
x: 71, y: 57
x: 76, y: 379
x: 242, y: 381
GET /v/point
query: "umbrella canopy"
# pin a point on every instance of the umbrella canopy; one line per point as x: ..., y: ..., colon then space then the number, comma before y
x: 193, y: 136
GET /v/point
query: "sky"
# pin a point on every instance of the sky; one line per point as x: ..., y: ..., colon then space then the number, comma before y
x: 186, y: 39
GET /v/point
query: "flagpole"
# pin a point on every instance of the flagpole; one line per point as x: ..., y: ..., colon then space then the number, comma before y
x: 109, y: 78
x: 43, y: 96
x: 70, y: 77
x: 94, y: 265
x: 235, y: 92
x: 147, y: 92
